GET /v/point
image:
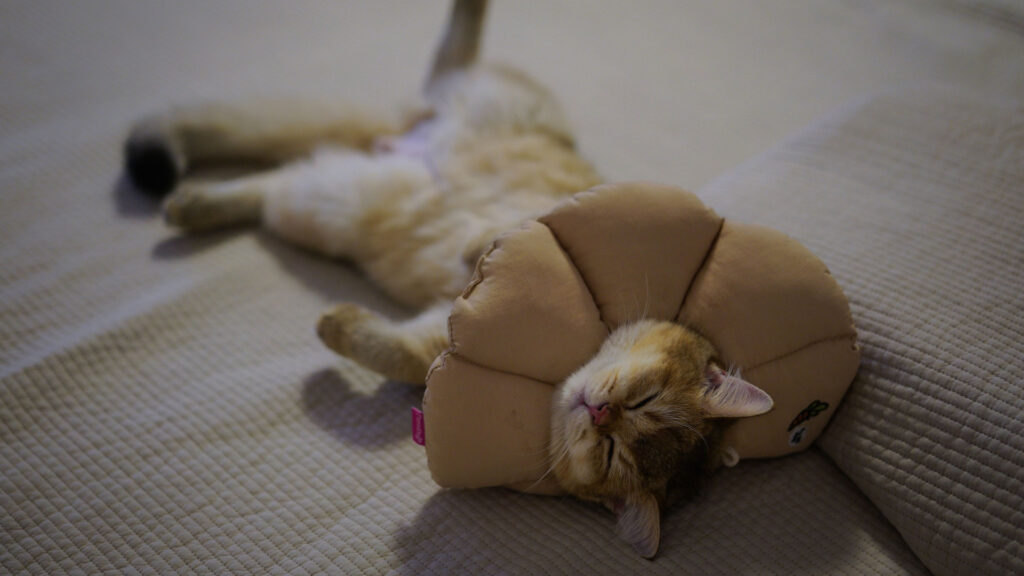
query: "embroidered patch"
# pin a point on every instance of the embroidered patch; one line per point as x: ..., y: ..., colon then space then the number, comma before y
x: 419, y: 435
x: 797, y: 432
x: 797, y: 436
x: 812, y: 410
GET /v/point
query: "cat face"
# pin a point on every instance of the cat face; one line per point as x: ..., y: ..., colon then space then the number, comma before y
x: 636, y: 425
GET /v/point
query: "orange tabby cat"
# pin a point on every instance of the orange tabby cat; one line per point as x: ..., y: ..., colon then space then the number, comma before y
x: 414, y: 199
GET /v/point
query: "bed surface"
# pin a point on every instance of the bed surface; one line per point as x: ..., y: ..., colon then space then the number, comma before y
x: 165, y: 405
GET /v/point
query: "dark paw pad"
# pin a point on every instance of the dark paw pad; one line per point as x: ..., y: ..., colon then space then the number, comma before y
x: 151, y: 167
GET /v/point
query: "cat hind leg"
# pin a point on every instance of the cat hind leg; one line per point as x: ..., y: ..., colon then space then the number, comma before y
x: 161, y: 148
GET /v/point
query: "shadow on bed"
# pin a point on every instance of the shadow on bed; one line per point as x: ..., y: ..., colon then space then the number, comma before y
x: 183, y: 246
x: 335, y: 280
x: 373, y: 420
x: 478, y: 530
x: 131, y: 203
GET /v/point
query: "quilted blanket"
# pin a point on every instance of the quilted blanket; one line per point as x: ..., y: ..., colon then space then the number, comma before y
x: 165, y: 406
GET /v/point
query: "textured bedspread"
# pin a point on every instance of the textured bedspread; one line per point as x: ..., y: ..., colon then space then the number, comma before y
x: 165, y: 405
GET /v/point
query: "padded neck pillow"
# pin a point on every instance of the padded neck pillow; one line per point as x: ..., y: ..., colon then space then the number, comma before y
x: 545, y: 297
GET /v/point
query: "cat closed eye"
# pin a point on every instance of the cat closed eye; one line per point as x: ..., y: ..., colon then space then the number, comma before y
x: 642, y: 403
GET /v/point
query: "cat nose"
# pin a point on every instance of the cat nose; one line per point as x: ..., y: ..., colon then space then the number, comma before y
x: 599, y: 414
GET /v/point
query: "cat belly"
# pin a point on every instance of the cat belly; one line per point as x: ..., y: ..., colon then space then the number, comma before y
x: 383, y: 212
x: 323, y: 204
x: 413, y: 144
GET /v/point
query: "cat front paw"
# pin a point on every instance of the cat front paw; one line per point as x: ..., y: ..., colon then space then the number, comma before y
x: 342, y: 328
x: 376, y: 343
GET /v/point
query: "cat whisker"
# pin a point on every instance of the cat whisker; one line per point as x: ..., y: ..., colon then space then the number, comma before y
x: 562, y: 453
x: 641, y: 313
x: 647, y: 296
x: 539, y: 452
x: 707, y: 447
x: 681, y: 422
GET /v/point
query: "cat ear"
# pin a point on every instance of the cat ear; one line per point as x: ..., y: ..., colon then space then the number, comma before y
x: 729, y: 396
x: 640, y: 524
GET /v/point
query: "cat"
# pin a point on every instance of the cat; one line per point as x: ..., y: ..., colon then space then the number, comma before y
x: 414, y: 199
x: 640, y: 425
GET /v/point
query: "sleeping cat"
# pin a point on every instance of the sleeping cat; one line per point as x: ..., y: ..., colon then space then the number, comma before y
x: 414, y: 199
x: 639, y: 425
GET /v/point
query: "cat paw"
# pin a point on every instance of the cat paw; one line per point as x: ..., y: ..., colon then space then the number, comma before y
x: 202, y: 206
x: 372, y: 341
x: 339, y: 329
x: 192, y: 210
x: 184, y: 209
x: 152, y: 160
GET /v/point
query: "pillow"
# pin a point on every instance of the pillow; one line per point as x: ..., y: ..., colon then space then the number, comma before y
x: 546, y: 296
x: 916, y: 197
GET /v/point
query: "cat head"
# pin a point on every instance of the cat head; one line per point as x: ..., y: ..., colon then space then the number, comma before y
x: 638, y: 424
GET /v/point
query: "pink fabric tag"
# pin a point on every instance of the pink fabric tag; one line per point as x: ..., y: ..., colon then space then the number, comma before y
x: 418, y: 431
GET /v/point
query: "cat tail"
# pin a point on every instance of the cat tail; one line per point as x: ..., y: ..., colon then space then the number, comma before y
x: 400, y: 350
x: 255, y: 134
x: 461, y: 42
